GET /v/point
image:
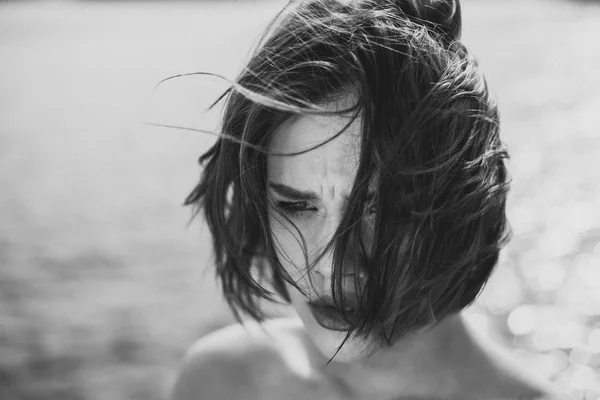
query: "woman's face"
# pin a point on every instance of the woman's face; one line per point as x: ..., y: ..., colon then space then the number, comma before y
x: 312, y: 190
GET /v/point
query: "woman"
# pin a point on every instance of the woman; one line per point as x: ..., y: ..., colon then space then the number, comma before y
x: 359, y: 174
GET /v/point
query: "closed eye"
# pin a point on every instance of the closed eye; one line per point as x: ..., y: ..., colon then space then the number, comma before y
x: 295, y: 208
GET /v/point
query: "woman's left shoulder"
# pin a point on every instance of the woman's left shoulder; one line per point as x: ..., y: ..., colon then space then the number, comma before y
x: 516, y: 386
x: 521, y: 382
x: 496, y: 374
x: 531, y: 384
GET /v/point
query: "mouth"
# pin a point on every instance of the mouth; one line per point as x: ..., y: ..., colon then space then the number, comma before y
x: 330, y: 317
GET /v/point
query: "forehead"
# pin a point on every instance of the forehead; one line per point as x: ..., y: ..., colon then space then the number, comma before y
x: 326, y: 169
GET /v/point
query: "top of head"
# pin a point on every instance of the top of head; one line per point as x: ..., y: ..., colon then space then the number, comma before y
x: 335, y: 46
x: 442, y: 18
x: 429, y: 135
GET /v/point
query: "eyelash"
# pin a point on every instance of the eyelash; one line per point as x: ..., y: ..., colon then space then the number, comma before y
x: 292, y: 209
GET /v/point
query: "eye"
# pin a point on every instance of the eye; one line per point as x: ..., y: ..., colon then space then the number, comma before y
x: 294, y: 208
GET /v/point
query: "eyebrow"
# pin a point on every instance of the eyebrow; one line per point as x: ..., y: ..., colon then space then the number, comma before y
x: 292, y: 193
x: 296, y: 194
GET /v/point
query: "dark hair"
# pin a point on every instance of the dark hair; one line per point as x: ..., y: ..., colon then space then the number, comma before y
x: 430, y: 136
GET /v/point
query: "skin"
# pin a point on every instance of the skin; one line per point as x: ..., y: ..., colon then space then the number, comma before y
x: 287, y: 359
x: 328, y: 172
x: 413, y: 363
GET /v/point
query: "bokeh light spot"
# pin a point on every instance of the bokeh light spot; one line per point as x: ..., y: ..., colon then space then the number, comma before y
x: 521, y: 320
x: 594, y: 341
x: 582, y: 377
x: 580, y: 355
x: 551, y: 276
x: 554, y: 243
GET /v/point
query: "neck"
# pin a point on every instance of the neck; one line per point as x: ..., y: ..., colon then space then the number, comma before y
x: 420, y: 364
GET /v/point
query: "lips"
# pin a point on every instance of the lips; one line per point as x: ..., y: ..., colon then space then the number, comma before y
x: 330, y: 317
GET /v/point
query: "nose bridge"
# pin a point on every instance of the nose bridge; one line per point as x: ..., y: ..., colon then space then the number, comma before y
x: 325, y: 234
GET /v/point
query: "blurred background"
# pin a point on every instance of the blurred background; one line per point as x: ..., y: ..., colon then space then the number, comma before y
x: 103, y: 284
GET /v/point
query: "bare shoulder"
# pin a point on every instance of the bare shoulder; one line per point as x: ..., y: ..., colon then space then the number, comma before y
x: 531, y: 385
x: 493, y: 372
x: 511, y: 379
x: 520, y: 383
x: 223, y: 364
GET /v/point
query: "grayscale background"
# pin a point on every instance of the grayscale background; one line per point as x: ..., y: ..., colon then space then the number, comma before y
x: 103, y: 284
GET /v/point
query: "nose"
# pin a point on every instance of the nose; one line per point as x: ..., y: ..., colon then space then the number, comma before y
x: 354, y: 263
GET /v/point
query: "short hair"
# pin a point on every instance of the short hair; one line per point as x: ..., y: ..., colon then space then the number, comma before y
x: 430, y: 133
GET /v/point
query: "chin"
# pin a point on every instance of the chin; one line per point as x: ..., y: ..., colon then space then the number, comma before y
x: 327, y: 341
